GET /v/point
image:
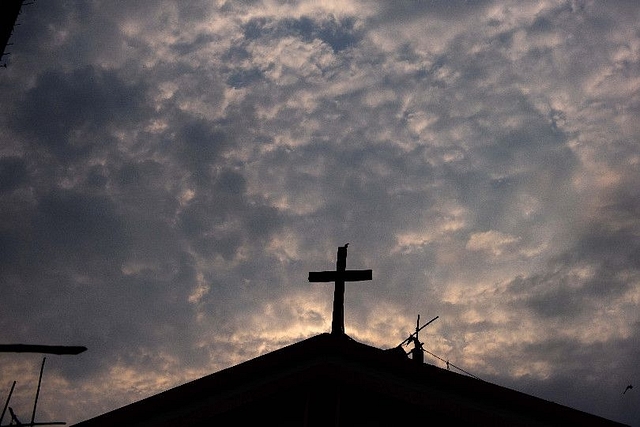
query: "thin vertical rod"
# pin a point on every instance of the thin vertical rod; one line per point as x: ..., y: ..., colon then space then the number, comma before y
x: 35, y: 404
x: 7, y: 403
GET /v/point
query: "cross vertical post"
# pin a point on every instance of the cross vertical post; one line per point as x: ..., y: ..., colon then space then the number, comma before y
x: 337, y: 323
x: 340, y: 276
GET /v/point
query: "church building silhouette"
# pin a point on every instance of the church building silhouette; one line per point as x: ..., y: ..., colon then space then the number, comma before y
x: 332, y: 380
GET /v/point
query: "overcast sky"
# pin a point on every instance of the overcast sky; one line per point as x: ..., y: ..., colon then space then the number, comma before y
x: 171, y: 171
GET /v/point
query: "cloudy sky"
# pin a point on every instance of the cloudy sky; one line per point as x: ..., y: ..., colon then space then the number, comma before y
x: 171, y: 171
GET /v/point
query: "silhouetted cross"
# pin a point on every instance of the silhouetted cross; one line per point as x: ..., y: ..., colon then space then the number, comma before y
x: 340, y: 276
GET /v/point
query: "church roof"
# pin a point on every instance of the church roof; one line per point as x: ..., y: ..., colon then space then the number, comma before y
x: 331, y: 377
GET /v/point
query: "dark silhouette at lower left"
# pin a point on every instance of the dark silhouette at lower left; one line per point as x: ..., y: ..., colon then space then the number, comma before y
x: 10, y: 9
x: 35, y: 348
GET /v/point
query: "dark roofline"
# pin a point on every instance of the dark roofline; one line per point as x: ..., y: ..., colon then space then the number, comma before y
x: 340, y: 357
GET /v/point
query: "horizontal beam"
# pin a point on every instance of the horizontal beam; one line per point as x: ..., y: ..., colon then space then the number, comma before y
x: 46, y: 349
x: 50, y: 423
x: 347, y: 276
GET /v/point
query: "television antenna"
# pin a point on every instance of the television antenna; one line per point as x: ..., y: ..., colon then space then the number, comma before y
x: 15, y: 419
x: 417, y: 352
x: 29, y: 348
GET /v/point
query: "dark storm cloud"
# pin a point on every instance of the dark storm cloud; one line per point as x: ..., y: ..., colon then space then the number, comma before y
x: 74, y: 235
x: 225, y: 219
x: 65, y: 230
x: 83, y: 225
x: 404, y: 10
x: 200, y: 145
x: 576, y: 382
x: 552, y: 296
x: 71, y: 113
x: 184, y: 48
x: 612, y: 238
x: 13, y: 173
x: 339, y: 33
x: 242, y: 78
x: 590, y: 277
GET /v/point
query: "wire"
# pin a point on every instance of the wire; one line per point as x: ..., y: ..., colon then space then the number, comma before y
x: 451, y: 364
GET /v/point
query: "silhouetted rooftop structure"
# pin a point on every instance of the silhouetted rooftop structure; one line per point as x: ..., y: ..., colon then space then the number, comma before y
x: 333, y: 380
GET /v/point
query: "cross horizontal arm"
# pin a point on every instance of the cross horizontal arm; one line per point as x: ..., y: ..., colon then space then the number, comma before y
x: 347, y: 276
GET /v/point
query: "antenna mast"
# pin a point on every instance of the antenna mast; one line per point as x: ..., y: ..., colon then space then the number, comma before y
x: 417, y: 352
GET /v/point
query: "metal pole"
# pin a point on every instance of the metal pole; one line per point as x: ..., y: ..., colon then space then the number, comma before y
x: 35, y: 404
x: 7, y: 403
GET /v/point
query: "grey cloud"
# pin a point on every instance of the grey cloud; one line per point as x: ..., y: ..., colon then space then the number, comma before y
x: 551, y: 296
x: 225, y: 217
x: 13, y: 173
x: 595, y: 386
x: 173, y: 175
x: 11, y: 247
x: 85, y: 226
x: 184, y: 48
x: 564, y: 293
x: 200, y: 145
x: 242, y: 78
x: 97, y: 178
x: 70, y: 113
x: 339, y: 33
x: 408, y: 10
